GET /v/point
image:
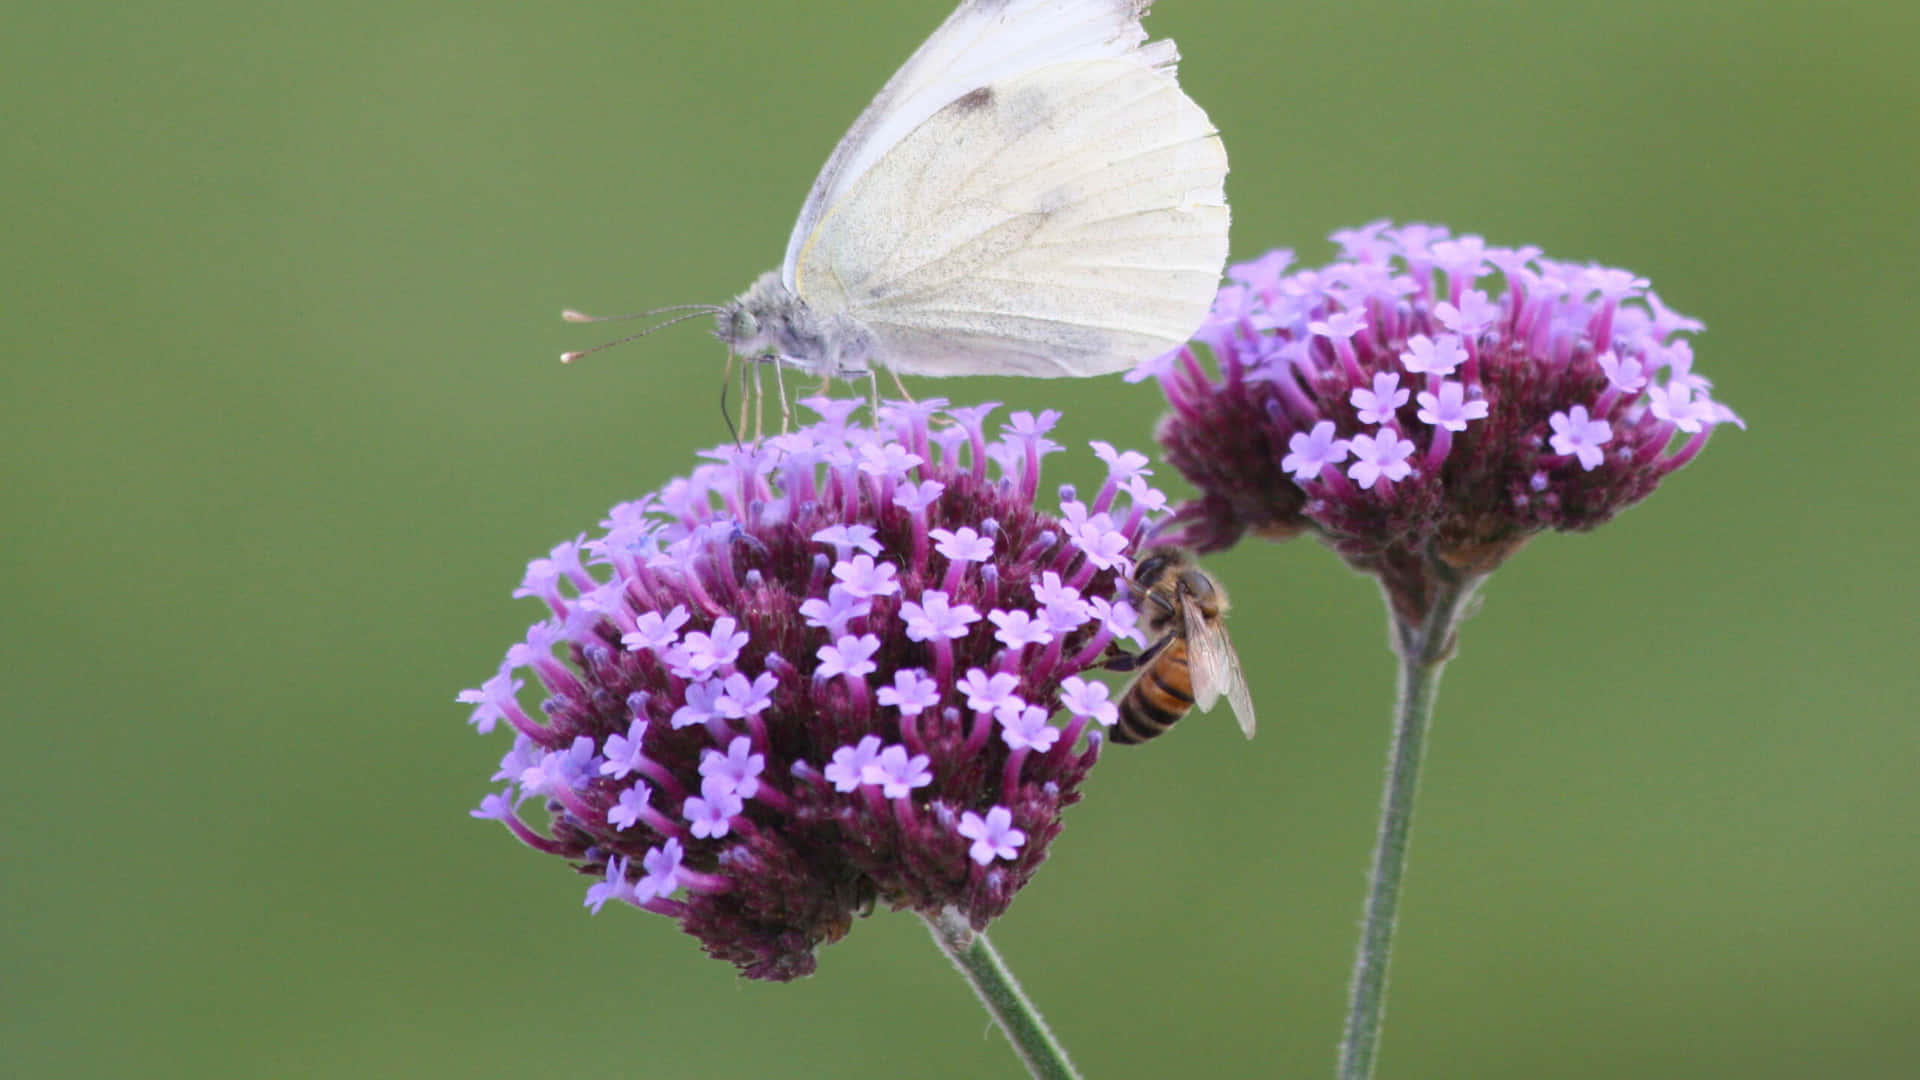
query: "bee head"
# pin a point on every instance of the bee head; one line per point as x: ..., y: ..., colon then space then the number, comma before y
x: 1156, y: 563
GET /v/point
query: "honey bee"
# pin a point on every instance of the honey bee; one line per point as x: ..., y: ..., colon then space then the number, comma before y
x: 1191, y: 661
x: 854, y: 897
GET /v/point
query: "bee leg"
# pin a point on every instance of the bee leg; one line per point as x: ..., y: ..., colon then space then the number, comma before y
x: 1135, y: 661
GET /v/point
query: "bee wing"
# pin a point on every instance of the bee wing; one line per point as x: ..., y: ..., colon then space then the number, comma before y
x: 1216, y: 668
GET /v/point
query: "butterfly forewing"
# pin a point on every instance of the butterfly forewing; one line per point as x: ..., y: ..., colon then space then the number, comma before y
x: 1067, y: 221
x: 982, y: 42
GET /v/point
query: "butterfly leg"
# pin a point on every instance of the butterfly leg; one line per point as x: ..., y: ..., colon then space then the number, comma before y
x: 900, y: 386
x: 873, y: 394
x: 780, y: 384
x: 759, y: 403
x: 746, y: 397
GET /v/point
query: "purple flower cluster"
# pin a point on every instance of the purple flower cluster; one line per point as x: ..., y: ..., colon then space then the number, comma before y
x: 1418, y: 419
x: 821, y: 672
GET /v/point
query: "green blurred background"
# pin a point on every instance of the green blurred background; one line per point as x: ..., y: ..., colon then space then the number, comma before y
x: 284, y: 424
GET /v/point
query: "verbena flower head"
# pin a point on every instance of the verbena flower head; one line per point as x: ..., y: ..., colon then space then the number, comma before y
x: 818, y: 672
x: 1428, y: 403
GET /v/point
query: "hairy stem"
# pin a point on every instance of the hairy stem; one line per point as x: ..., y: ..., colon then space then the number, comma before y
x: 1000, y: 992
x: 1423, y: 651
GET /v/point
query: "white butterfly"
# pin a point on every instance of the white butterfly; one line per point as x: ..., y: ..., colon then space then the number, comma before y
x: 1030, y: 194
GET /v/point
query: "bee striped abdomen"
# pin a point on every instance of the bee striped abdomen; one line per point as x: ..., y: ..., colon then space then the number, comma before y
x: 1158, y: 698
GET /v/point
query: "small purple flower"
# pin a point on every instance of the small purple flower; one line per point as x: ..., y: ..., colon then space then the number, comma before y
x: 625, y: 752
x: 561, y: 770
x: 1094, y: 534
x: 1473, y: 315
x: 1121, y: 465
x: 700, y: 653
x: 655, y: 631
x: 491, y: 702
x: 912, y: 693
x: 493, y: 807
x: 1574, y: 433
x: 887, y: 459
x: 848, y: 538
x: 1378, y: 405
x: 848, y: 770
x: 1550, y: 396
x: 626, y: 812
x: 1379, y: 457
x: 1081, y: 697
x: 864, y: 579
x: 1625, y: 374
x: 1674, y: 404
x: 663, y: 870
x: 838, y: 608
x: 1449, y: 408
x: 738, y: 769
x: 1018, y: 629
x: 772, y: 692
x: 615, y: 887
x: 917, y: 497
x: 935, y: 617
x: 993, y: 836
x: 1027, y: 728
x: 711, y: 812
x: 1117, y: 617
x: 989, y: 694
x: 850, y: 656
x: 1433, y: 356
x: 897, y: 772
x: 1310, y: 452
x: 740, y: 699
x: 962, y: 544
x: 701, y: 699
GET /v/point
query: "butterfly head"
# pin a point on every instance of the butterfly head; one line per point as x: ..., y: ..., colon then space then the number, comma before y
x: 769, y: 321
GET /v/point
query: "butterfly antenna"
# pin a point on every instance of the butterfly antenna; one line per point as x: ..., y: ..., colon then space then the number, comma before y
x: 570, y: 315
x: 693, y: 311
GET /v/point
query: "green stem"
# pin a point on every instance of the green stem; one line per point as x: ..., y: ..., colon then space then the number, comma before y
x: 1423, y: 652
x: 1000, y: 992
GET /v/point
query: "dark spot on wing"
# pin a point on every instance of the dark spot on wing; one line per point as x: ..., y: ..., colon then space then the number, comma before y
x: 974, y: 99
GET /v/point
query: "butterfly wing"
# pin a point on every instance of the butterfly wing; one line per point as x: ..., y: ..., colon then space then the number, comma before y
x: 982, y: 42
x: 1215, y: 668
x: 1069, y: 220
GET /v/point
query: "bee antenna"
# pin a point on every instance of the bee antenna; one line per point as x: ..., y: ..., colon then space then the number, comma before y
x: 693, y: 311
